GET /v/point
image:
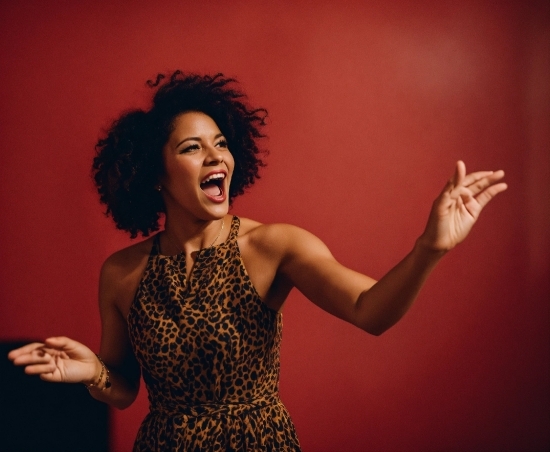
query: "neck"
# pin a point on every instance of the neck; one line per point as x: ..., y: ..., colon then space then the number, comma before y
x: 190, y: 237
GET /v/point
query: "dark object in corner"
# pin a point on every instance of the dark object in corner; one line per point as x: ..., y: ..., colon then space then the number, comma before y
x: 40, y: 416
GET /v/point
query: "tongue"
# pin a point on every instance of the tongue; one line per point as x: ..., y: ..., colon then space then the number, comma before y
x: 211, y: 189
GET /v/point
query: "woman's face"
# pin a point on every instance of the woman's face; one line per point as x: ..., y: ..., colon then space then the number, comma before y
x: 197, y: 168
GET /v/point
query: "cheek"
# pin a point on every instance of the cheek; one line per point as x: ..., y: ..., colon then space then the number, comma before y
x: 230, y: 162
x: 183, y: 170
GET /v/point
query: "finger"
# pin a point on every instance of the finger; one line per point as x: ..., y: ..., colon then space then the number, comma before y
x: 463, y: 194
x: 70, y: 348
x: 54, y: 353
x: 60, y: 343
x: 472, y: 178
x: 465, y: 201
x: 489, y: 193
x: 37, y: 369
x: 32, y: 358
x: 29, y: 348
x: 454, y: 179
x: 460, y: 173
x: 482, y: 184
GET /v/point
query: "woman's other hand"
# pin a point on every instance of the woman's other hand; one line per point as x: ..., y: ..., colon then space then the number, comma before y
x: 58, y: 359
x: 458, y: 207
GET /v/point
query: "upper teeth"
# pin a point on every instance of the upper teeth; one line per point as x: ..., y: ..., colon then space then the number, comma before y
x: 213, y: 176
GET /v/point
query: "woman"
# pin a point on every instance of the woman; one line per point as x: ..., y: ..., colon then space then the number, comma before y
x: 195, y: 309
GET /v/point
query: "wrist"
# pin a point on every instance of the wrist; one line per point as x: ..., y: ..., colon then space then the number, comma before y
x: 94, y: 379
x: 101, y: 380
x: 425, y: 249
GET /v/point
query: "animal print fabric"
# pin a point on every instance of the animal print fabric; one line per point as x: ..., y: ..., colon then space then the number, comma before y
x: 208, y: 348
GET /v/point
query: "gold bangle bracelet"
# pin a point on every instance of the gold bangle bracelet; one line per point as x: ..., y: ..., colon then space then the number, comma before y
x: 107, y: 384
x: 104, y: 370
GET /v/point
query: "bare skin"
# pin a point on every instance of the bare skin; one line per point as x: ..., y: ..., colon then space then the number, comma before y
x: 278, y: 257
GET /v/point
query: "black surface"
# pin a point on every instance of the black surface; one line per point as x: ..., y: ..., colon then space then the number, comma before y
x: 40, y: 416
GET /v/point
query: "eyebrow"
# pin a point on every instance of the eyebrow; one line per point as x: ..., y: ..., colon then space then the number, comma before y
x: 196, y: 139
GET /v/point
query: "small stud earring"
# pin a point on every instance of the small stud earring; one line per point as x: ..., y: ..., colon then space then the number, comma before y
x: 158, y: 188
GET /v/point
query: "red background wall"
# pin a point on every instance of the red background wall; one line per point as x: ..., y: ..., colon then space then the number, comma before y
x: 370, y: 103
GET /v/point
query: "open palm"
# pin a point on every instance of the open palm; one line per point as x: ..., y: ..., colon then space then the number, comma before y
x: 459, y: 205
x: 58, y: 359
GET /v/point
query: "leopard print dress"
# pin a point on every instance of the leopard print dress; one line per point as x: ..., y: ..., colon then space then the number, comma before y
x: 208, y: 348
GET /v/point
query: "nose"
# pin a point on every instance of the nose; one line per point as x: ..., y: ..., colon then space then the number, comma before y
x: 214, y: 156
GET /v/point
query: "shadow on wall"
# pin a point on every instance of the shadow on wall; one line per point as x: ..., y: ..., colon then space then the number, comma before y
x: 40, y: 416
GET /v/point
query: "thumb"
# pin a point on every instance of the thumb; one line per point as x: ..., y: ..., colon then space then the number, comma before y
x: 460, y: 173
x: 68, y: 346
x: 60, y: 342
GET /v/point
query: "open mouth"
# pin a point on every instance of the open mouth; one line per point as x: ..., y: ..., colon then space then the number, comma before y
x: 212, y: 184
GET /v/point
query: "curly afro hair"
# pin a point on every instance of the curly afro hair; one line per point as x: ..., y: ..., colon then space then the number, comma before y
x: 128, y: 162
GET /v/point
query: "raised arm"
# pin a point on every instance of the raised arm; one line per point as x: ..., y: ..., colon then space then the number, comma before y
x: 376, y: 306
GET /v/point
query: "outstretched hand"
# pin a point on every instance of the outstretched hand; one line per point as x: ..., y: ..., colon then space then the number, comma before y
x: 459, y: 205
x: 58, y: 359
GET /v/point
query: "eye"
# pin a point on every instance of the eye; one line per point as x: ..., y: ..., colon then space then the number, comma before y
x: 222, y: 143
x: 191, y: 148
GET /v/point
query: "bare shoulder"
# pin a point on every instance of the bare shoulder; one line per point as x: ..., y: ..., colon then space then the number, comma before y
x: 127, y: 259
x: 278, y: 237
x: 276, y: 257
x: 121, y: 273
x: 263, y: 234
